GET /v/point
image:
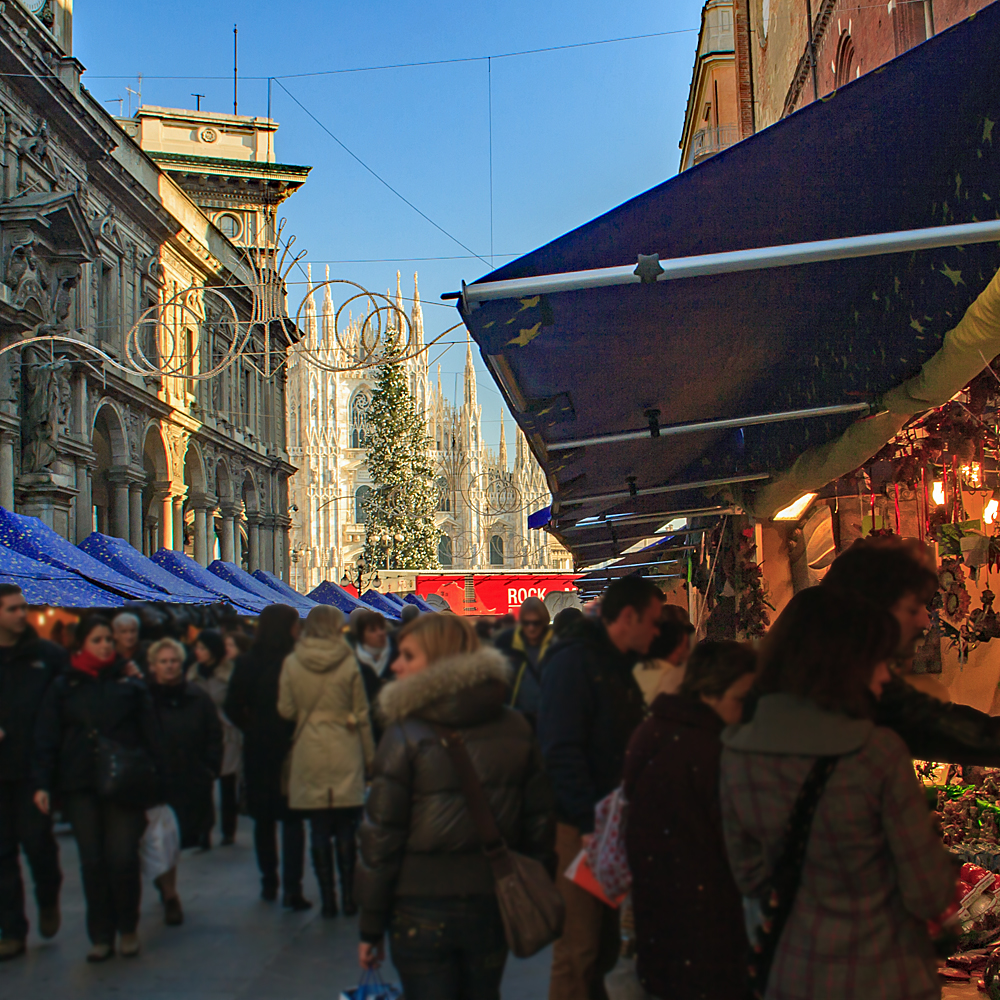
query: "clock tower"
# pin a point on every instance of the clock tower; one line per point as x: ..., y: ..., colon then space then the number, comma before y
x: 57, y: 16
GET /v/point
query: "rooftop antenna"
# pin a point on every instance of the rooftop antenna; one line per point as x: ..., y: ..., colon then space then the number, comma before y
x: 198, y: 98
x: 121, y: 104
x: 135, y: 93
x: 236, y: 109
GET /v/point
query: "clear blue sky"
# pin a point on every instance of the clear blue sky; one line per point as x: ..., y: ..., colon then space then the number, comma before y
x: 575, y: 132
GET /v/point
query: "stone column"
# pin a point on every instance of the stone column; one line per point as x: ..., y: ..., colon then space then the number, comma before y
x: 229, y: 544
x: 253, y: 535
x: 84, y: 501
x: 203, y: 524
x: 7, y: 471
x: 178, y: 513
x: 118, y: 484
x: 135, y: 514
x: 165, y: 501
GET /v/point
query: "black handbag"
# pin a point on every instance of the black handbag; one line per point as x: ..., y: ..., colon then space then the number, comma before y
x: 125, y: 775
x: 782, y: 887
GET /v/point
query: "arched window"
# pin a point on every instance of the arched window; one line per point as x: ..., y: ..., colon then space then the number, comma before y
x: 229, y: 225
x: 445, y: 552
x: 444, y: 494
x: 496, y: 550
x: 845, y: 61
x: 360, y: 495
x: 360, y: 412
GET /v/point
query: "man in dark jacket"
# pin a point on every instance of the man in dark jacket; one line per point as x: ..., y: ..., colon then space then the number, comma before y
x: 891, y: 575
x: 591, y: 705
x: 525, y: 646
x: 27, y: 666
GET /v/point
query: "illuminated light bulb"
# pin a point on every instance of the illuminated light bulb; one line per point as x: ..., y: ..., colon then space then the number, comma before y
x: 937, y: 493
x: 990, y: 511
x: 794, y: 510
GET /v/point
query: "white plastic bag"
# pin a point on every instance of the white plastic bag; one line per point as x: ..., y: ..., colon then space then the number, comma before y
x: 606, y: 854
x: 160, y: 847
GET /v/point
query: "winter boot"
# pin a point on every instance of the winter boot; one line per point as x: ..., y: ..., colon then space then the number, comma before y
x: 323, y: 866
x: 347, y: 853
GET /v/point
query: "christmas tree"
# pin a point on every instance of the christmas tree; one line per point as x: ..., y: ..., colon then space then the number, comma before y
x: 400, y: 508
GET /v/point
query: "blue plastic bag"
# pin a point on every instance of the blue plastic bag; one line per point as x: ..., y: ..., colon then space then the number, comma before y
x: 373, y: 987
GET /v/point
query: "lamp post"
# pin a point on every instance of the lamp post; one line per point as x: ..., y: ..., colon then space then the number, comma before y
x: 358, y: 581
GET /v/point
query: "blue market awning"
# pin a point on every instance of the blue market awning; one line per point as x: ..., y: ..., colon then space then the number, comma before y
x: 395, y: 599
x: 331, y: 593
x: 185, y: 568
x: 380, y: 603
x: 42, y: 583
x: 610, y: 382
x: 417, y: 601
x: 238, y: 577
x: 130, y: 562
x: 33, y: 538
x: 287, y: 592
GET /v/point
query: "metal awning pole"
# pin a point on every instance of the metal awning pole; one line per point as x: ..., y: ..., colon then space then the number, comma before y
x: 709, y: 425
x: 757, y: 259
x: 672, y: 488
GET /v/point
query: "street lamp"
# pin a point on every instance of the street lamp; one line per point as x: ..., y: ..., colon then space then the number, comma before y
x: 359, y: 581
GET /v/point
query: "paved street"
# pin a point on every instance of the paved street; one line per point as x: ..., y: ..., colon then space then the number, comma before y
x: 232, y: 944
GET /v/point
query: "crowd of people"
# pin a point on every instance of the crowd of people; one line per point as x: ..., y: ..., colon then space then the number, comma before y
x: 744, y: 769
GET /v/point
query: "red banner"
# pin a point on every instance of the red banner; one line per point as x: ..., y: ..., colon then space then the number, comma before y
x: 492, y: 594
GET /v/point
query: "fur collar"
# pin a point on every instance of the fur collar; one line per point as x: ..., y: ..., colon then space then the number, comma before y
x: 445, y: 680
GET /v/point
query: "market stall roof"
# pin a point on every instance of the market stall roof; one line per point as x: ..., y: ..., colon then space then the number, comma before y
x: 43, y: 583
x: 332, y: 593
x: 749, y: 378
x: 419, y: 602
x: 395, y: 599
x: 186, y: 569
x: 378, y: 601
x: 129, y: 561
x: 289, y: 593
x: 33, y: 538
x: 652, y: 561
x: 239, y: 577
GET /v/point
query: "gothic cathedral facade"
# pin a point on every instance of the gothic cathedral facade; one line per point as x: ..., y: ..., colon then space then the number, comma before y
x: 483, y: 500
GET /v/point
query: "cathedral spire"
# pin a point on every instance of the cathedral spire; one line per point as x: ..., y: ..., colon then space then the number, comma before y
x: 470, y: 378
x: 417, y: 317
x: 309, y: 311
x: 329, y: 340
x: 503, y: 445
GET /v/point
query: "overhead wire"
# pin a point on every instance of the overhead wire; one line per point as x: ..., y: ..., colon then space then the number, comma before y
x: 378, y: 176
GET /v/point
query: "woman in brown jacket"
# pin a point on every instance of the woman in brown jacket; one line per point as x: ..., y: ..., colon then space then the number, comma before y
x: 321, y: 691
x: 423, y: 874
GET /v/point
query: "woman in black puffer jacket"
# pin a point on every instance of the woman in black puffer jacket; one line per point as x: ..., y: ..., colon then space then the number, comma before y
x: 424, y: 877
x: 98, y: 693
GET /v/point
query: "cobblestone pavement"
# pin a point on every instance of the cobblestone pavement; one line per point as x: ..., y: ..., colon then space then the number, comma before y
x: 232, y: 945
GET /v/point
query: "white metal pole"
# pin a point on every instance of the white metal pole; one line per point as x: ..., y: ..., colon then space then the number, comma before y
x: 737, y: 260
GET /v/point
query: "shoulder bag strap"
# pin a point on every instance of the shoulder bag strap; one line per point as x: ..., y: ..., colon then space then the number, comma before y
x: 783, y: 885
x: 472, y: 788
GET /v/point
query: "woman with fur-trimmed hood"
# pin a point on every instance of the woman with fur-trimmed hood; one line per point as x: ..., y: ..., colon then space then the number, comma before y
x: 322, y: 692
x: 423, y: 875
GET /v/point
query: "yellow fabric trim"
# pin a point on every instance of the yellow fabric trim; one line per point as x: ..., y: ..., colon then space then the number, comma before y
x: 963, y: 355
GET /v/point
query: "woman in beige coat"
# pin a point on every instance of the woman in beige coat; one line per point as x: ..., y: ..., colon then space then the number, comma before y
x: 321, y: 690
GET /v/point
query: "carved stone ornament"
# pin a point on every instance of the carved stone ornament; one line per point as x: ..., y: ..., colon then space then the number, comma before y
x: 48, y: 396
x: 43, y: 241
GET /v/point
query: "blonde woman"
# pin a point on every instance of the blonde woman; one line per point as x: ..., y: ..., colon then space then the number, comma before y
x: 321, y: 691
x: 424, y: 877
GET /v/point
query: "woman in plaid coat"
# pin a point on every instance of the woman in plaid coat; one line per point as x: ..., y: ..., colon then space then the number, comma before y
x: 875, y: 870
